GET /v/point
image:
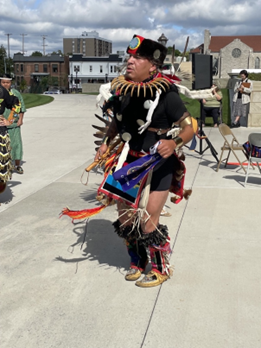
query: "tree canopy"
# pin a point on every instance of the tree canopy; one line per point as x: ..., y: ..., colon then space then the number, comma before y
x: 36, y: 54
x: 177, y: 52
x: 2, y: 59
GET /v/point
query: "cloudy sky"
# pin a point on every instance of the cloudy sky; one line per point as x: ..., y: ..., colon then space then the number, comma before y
x: 118, y: 20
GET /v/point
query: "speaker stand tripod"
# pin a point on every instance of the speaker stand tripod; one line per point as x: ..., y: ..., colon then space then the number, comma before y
x: 204, y: 137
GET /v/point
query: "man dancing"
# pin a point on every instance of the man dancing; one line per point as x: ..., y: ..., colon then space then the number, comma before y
x: 146, y: 105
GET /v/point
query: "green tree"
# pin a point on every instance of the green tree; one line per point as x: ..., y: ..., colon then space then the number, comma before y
x: 177, y: 52
x: 49, y: 82
x: 36, y: 54
x: 187, y: 55
x: 59, y: 52
x: 23, y: 85
x: 2, y: 60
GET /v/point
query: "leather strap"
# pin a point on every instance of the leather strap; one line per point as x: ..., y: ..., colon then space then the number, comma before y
x: 159, y: 131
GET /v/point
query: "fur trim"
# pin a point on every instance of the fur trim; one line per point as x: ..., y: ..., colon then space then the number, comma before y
x: 157, y: 237
x: 127, y: 232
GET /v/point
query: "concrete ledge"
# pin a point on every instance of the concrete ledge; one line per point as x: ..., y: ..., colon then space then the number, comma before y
x: 90, y: 87
x: 254, y: 119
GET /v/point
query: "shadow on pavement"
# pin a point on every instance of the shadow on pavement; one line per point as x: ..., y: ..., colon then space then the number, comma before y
x: 7, y: 195
x: 241, y: 179
x: 98, y: 242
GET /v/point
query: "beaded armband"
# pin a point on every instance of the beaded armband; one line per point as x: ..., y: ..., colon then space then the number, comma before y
x: 178, y: 142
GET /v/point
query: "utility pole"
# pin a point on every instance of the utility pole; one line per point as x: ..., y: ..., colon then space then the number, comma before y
x: 23, y: 35
x: 8, y: 44
x: 44, y: 45
x: 8, y: 52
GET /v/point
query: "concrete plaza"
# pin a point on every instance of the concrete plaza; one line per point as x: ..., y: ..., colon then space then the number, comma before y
x: 62, y: 284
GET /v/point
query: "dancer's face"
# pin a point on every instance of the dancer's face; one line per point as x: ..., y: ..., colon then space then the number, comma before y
x: 139, y: 68
x: 6, y: 84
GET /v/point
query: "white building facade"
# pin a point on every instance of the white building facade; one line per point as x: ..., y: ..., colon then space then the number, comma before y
x: 93, y: 69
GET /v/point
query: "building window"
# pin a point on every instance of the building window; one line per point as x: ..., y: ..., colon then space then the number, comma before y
x: 111, y: 68
x: 115, y: 68
x: 90, y: 68
x: 17, y: 68
x: 36, y: 68
x: 100, y: 68
x: 45, y: 68
x: 55, y: 68
x: 257, y: 63
x: 236, y: 53
x: 22, y: 68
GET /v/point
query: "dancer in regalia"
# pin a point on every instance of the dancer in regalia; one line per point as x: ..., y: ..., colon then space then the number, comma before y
x: 146, y: 106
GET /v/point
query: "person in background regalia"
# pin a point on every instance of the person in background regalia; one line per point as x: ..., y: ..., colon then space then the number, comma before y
x: 10, y: 102
x: 14, y: 125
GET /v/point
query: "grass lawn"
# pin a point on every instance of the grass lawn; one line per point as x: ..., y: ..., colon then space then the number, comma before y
x: 32, y: 100
x: 193, y: 107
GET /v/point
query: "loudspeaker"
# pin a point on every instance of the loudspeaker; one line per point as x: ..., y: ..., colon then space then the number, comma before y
x: 202, y: 71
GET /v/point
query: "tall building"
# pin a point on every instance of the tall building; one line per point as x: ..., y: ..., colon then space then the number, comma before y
x: 89, y: 44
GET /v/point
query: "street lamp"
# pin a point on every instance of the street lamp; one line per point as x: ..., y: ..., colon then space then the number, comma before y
x: 76, y: 69
x: 71, y: 83
x: 163, y: 40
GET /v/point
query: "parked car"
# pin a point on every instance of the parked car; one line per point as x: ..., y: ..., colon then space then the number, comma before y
x: 54, y: 91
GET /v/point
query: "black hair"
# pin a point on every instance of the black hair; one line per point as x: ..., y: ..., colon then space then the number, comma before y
x: 244, y: 72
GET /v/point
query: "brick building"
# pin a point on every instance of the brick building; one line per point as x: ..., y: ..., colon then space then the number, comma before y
x: 54, y: 68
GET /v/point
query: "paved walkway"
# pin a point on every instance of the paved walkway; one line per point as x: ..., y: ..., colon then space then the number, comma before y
x: 57, y: 291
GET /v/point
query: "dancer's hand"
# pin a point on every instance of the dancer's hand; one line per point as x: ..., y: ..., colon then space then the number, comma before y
x: 166, y: 148
x: 102, y: 149
x: 4, y: 122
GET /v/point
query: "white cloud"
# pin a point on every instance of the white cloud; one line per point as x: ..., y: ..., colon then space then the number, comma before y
x: 118, y: 20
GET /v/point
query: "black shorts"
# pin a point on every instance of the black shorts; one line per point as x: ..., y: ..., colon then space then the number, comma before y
x: 163, y: 173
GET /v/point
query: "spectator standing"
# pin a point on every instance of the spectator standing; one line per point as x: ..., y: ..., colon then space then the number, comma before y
x: 241, y: 100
